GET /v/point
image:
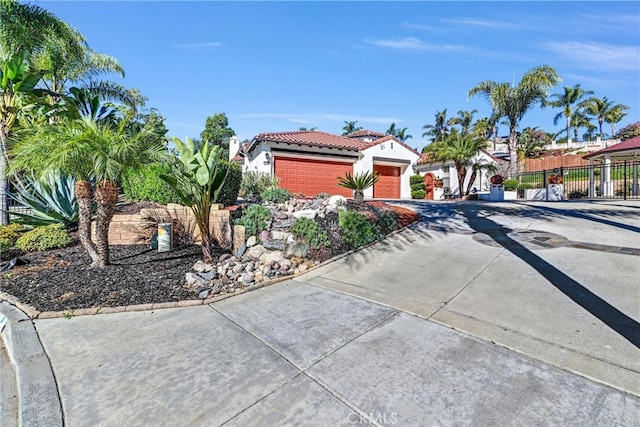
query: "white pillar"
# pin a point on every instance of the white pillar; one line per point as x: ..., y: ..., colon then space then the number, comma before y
x: 234, y: 146
x: 607, y: 191
x: 592, y: 182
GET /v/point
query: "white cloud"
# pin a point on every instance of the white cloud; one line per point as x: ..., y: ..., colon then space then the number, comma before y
x: 197, y: 46
x: 412, y: 43
x: 597, y: 56
x: 481, y: 23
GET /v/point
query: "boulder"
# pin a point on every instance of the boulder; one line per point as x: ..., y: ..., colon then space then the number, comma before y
x: 201, y: 266
x: 297, y: 249
x: 241, y: 250
x: 305, y: 213
x: 265, y: 236
x: 256, y: 251
x: 274, y: 245
x: 336, y: 200
x: 279, y: 235
x: 270, y: 257
x: 251, y: 241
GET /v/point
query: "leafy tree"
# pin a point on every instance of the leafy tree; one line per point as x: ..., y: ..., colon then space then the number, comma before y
x: 89, y: 151
x: 459, y: 148
x: 629, y: 131
x: 304, y: 129
x: 513, y: 102
x: 437, y: 131
x: 358, y: 183
x: 350, y: 127
x: 478, y: 165
x: 217, y: 132
x: 566, y: 101
x: 464, y: 120
x: 16, y: 82
x: 201, y: 178
x: 531, y: 141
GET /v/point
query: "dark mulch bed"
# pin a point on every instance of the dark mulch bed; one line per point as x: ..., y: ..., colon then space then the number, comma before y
x: 62, y: 279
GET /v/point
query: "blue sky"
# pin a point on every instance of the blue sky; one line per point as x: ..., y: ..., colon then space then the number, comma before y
x: 276, y: 66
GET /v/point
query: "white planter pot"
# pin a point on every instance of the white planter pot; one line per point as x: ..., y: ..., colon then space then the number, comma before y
x: 510, y: 195
x: 496, y: 193
x: 555, y: 192
x: 535, y: 194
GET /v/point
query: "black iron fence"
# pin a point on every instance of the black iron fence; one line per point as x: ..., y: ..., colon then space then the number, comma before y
x: 607, y: 181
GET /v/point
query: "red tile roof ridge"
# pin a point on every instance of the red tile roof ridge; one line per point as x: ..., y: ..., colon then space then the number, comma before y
x: 629, y: 144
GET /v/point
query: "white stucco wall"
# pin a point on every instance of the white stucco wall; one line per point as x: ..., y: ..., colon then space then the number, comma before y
x: 385, y: 154
x: 439, y: 171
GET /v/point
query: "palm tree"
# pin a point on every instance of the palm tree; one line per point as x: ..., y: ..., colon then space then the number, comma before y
x: 464, y: 120
x: 358, y: 183
x: 566, y: 101
x: 437, y: 131
x: 615, y: 115
x: 598, y: 109
x: 350, y: 127
x: 531, y: 142
x: 89, y: 151
x: 513, y: 102
x: 460, y: 149
x: 402, y: 135
x: 479, y: 165
x: 392, y: 130
x: 580, y: 120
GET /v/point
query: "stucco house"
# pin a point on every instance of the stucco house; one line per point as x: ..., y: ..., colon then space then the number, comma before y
x: 310, y: 162
x: 625, y: 151
x: 446, y: 171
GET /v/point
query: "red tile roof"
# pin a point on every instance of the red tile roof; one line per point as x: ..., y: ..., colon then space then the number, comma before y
x: 311, y: 138
x: 628, y: 145
x: 363, y: 133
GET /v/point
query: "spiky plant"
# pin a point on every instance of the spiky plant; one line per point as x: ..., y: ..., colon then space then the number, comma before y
x: 358, y: 183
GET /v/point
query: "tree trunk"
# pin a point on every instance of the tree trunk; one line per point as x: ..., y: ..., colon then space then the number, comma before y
x: 600, y: 125
x: 513, y: 153
x: 462, y: 174
x: 4, y: 184
x: 358, y: 198
x: 569, y: 129
x: 84, y: 195
x: 106, y: 198
x: 472, y: 179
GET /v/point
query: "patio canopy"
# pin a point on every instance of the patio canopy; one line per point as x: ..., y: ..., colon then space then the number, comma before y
x: 625, y: 150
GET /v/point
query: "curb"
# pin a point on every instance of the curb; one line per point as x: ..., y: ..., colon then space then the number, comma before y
x: 38, y: 399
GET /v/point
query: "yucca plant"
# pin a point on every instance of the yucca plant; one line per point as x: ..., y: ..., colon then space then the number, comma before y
x: 358, y: 183
x: 197, y: 185
x: 50, y: 199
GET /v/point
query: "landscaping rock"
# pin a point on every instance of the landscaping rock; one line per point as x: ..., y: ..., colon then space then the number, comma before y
x: 274, y: 245
x: 279, y: 235
x: 305, y: 213
x: 297, y: 249
x: 194, y: 279
x: 281, y: 216
x: 241, y: 250
x: 251, y: 241
x: 265, y: 236
x: 256, y: 251
x: 270, y: 257
x: 200, y: 267
x: 224, y: 257
x: 336, y: 200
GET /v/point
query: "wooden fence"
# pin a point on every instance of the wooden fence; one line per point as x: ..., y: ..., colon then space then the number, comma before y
x: 554, y: 162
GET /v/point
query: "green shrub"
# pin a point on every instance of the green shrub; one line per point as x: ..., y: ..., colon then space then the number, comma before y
x: 524, y: 186
x: 311, y: 232
x: 5, y: 244
x: 418, y: 194
x: 145, y: 184
x: 275, y: 195
x: 11, y: 232
x: 358, y: 228
x: 254, y: 183
x: 387, y: 221
x: 228, y: 194
x: 510, y: 184
x: 416, y: 179
x: 52, y: 236
x: 254, y: 219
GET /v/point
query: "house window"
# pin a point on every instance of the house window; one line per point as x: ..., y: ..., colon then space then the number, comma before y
x: 447, y: 171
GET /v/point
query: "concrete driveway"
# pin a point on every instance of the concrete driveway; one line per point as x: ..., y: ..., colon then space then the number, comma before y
x: 484, y: 314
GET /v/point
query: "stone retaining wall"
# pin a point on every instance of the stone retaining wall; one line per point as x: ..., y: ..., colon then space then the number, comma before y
x: 122, y: 230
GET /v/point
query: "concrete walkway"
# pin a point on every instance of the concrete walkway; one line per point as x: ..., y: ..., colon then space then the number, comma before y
x: 417, y: 330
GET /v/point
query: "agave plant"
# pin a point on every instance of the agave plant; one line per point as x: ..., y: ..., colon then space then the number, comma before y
x: 50, y: 199
x: 358, y: 183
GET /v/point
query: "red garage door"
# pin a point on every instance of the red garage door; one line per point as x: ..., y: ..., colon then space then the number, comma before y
x: 388, y: 187
x: 312, y: 177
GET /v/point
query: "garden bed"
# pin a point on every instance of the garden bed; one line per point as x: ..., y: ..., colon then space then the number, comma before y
x: 61, y: 280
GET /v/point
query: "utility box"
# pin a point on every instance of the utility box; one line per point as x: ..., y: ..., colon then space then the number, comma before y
x: 165, y: 237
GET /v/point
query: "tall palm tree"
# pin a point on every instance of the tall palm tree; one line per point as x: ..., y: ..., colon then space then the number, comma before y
x: 513, y: 102
x: 437, y: 131
x: 615, y: 115
x: 90, y: 151
x: 566, y: 101
x: 464, y: 120
x: 350, y: 127
x: 597, y: 108
x: 461, y: 149
x: 392, y: 130
x: 580, y: 120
